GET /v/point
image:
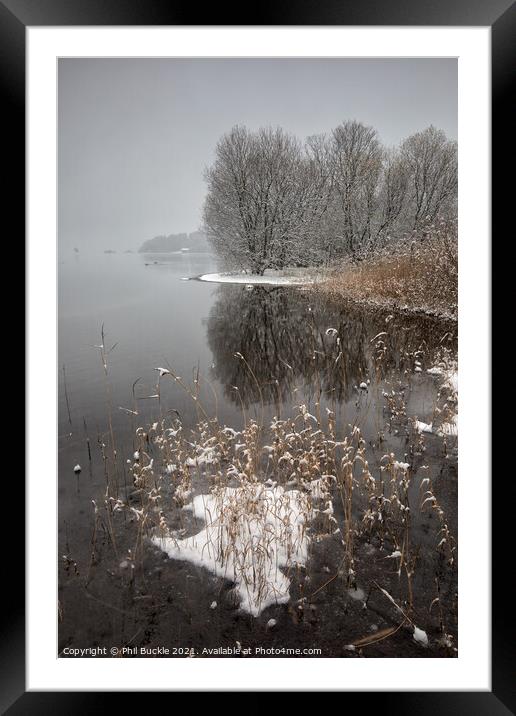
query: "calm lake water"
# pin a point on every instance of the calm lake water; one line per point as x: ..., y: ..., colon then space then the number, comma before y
x: 154, y: 318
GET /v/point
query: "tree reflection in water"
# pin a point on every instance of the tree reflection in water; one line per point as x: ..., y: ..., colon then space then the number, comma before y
x: 285, y: 336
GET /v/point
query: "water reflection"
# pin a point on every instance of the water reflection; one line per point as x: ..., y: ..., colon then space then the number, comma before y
x: 289, y: 339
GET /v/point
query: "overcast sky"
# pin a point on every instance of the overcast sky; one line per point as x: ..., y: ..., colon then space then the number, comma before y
x: 135, y: 135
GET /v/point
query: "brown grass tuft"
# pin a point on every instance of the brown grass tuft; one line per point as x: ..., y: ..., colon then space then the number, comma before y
x: 420, y: 275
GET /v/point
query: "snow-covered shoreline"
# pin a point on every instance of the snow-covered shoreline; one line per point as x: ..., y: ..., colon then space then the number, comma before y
x: 276, y: 279
x: 311, y: 280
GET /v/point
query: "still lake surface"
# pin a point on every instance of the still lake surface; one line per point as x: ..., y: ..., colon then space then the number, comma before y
x: 154, y: 318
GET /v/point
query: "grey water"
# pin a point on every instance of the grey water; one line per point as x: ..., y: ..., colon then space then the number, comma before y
x: 152, y: 317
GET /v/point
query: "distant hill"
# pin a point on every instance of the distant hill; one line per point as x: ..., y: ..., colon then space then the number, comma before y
x: 196, y: 241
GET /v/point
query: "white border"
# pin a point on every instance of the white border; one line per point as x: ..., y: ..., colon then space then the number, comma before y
x: 471, y: 670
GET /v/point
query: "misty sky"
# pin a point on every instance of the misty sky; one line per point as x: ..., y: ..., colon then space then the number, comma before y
x: 135, y: 135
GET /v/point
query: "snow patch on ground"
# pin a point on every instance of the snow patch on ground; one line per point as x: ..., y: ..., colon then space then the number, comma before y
x: 276, y: 279
x: 251, y: 532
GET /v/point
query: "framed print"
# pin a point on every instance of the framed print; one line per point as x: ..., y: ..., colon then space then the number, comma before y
x: 257, y: 285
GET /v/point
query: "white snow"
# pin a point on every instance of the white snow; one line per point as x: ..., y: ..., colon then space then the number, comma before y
x: 394, y: 555
x: 213, y: 605
x: 423, y: 427
x: 435, y: 370
x: 206, y: 456
x: 450, y: 429
x: 320, y: 487
x: 357, y: 594
x: 162, y: 371
x: 420, y: 636
x: 452, y: 380
x: 277, y: 279
x: 250, y: 533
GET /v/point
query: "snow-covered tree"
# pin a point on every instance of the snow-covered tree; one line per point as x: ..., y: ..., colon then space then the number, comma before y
x: 431, y: 165
x: 357, y: 156
x: 260, y: 199
x: 273, y: 202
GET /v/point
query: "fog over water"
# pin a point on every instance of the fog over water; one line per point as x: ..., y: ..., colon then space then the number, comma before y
x: 136, y: 134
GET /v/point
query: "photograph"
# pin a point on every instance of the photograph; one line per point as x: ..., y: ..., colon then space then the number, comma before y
x: 257, y: 306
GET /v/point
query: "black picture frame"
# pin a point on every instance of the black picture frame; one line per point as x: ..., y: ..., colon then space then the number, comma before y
x: 500, y: 15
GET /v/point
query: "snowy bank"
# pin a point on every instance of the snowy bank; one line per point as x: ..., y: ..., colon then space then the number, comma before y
x: 272, y: 279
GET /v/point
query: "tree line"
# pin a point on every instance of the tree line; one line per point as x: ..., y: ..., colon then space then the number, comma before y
x: 195, y: 241
x: 274, y: 201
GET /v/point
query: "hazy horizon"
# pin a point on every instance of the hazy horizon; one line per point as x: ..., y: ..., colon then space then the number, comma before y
x: 135, y: 135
